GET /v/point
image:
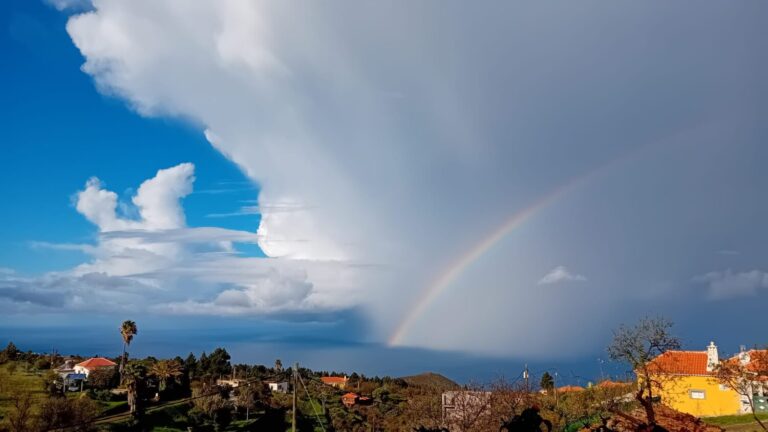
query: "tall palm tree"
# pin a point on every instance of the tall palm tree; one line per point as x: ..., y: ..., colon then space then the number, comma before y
x: 127, y: 331
x: 165, y: 370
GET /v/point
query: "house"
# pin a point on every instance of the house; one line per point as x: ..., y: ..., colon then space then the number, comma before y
x: 613, y: 384
x: 66, y: 368
x: 569, y: 389
x: 338, y: 382
x: 462, y: 404
x: 685, y: 381
x: 92, y: 364
x: 73, y: 381
x: 234, y: 382
x: 350, y: 399
x: 278, y: 386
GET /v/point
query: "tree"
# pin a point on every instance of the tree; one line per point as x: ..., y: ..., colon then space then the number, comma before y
x: 103, y: 378
x: 527, y: 421
x: 20, y: 415
x: 213, y: 404
x: 470, y: 409
x: 219, y: 362
x: 279, y: 365
x: 246, y: 398
x: 127, y: 330
x: 52, y: 382
x: 10, y: 353
x: 165, y: 370
x: 746, y: 375
x: 638, y: 346
x: 547, y: 382
x: 135, y: 376
x: 190, y: 365
x: 42, y: 363
x: 58, y: 413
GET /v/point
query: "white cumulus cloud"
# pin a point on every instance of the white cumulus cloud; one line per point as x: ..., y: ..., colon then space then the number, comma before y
x: 560, y: 274
x: 155, y: 262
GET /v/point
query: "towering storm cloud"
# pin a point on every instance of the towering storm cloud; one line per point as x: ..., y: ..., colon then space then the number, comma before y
x: 400, y: 140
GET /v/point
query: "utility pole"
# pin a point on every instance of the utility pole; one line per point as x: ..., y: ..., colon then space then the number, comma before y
x: 525, y: 377
x: 295, y: 384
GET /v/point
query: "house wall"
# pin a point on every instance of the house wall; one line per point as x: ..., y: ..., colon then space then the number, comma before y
x: 82, y: 370
x: 281, y: 387
x: 678, y: 392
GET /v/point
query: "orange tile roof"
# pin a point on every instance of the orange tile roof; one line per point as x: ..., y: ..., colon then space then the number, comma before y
x: 334, y: 380
x: 680, y: 363
x: 350, y: 395
x: 96, y: 362
x: 569, y: 388
x: 610, y: 384
x: 758, y: 360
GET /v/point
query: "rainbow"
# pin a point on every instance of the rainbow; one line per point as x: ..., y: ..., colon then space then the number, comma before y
x: 457, y: 267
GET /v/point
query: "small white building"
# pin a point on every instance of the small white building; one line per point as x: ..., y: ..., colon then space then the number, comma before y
x: 278, y: 386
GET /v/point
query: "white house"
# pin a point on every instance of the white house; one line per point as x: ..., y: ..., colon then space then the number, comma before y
x: 92, y: 364
x: 278, y: 386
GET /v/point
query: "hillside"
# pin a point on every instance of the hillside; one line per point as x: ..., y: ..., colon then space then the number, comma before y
x: 430, y: 380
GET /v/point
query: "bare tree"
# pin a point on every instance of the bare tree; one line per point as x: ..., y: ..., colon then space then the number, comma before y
x: 20, y: 414
x: 747, y: 375
x: 638, y: 346
x: 468, y: 410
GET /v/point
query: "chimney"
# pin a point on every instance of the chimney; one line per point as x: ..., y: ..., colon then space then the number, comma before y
x: 712, y: 357
x: 744, y: 357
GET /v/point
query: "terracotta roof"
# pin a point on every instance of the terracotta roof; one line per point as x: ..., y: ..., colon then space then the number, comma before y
x: 334, y: 380
x: 610, y: 384
x: 569, y: 388
x: 96, y: 362
x: 350, y: 395
x: 758, y: 360
x: 680, y: 363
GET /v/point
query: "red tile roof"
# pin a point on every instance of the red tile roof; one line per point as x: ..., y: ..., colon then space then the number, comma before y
x: 680, y: 363
x: 350, y: 395
x: 97, y: 362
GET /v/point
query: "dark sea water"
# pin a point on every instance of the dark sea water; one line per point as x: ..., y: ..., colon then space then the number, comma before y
x: 262, y: 343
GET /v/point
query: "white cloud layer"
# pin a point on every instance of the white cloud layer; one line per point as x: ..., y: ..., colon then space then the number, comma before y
x: 560, y: 274
x: 157, y: 263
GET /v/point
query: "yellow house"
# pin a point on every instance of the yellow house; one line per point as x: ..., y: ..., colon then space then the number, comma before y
x: 685, y: 382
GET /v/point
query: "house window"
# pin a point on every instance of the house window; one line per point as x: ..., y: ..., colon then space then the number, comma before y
x: 697, y: 394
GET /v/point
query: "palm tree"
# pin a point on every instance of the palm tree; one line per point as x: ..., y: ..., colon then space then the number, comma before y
x: 135, y: 375
x: 127, y: 331
x: 165, y: 370
x: 278, y: 365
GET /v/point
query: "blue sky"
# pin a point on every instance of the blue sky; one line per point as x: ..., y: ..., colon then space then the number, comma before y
x: 60, y: 131
x: 319, y: 172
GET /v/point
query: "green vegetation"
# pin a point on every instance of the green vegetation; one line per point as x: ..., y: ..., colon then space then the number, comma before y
x: 734, y: 419
x: 430, y: 380
x: 16, y: 377
x: 209, y: 393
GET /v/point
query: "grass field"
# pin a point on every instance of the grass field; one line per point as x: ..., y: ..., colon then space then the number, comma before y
x: 14, y: 377
x: 737, y: 423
